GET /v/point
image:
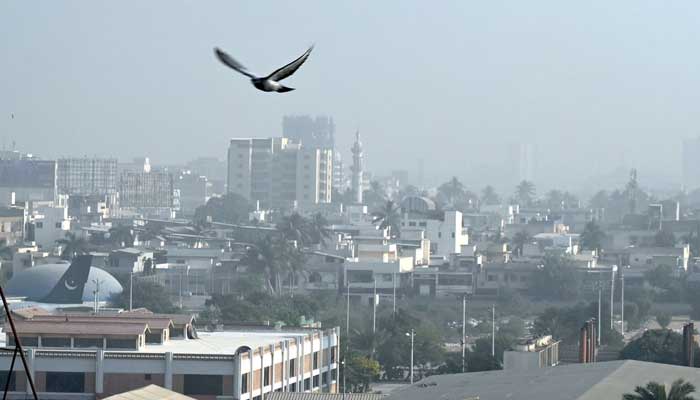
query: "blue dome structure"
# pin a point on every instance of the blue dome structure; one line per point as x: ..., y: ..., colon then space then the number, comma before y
x: 35, y: 283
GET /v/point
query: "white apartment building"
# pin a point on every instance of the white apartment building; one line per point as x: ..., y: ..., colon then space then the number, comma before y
x: 279, y: 173
x: 446, y: 235
x: 48, y: 222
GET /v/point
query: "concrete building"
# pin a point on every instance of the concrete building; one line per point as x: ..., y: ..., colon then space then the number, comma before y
x: 339, y: 181
x: 82, y: 356
x: 87, y: 176
x: 532, y: 353
x: 193, y: 191
x: 27, y: 180
x: 279, y: 173
x: 47, y: 223
x: 446, y: 235
x: 317, y: 133
x: 146, y: 190
x: 12, y: 222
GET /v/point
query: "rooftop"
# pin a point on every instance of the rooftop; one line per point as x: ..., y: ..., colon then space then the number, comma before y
x: 603, y: 380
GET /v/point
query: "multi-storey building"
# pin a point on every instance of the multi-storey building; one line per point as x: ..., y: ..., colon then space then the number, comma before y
x: 87, y: 176
x: 84, y: 356
x: 279, y: 173
x: 146, y: 189
x: 27, y: 180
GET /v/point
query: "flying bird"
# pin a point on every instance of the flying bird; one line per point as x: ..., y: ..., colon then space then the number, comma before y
x: 268, y: 83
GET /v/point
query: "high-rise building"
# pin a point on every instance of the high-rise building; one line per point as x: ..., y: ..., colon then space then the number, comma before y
x: 357, y: 175
x: 146, y: 190
x: 87, y: 176
x: 193, y: 190
x: 691, y: 164
x: 316, y: 132
x: 279, y: 173
x: 27, y: 180
x: 338, y: 172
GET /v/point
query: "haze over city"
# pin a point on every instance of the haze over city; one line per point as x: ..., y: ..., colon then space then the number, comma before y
x: 595, y: 86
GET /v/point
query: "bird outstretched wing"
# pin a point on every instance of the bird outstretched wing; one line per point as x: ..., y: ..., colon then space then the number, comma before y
x: 290, y: 68
x: 230, y: 62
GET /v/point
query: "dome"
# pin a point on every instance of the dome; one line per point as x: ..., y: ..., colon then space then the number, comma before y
x: 35, y: 283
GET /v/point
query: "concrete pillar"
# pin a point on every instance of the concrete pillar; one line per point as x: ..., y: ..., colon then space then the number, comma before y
x: 99, y: 371
x: 285, y: 366
x: 250, y: 373
x: 272, y: 367
x: 237, y: 377
x: 168, y: 378
x: 31, y: 355
x: 301, y: 364
x: 262, y: 372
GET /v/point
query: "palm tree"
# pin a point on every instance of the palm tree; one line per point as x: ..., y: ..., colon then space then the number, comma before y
x: 274, y: 258
x: 319, y: 229
x: 453, y: 191
x: 121, y: 235
x: 297, y: 228
x: 72, y: 245
x: 592, y: 236
x: 680, y: 390
x: 388, y: 217
x: 525, y: 192
x: 519, y: 241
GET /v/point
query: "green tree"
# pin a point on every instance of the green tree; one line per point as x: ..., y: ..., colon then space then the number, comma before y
x: 388, y: 217
x: 525, y: 193
x: 359, y: 372
x: 520, y: 239
x: 319, y: 231
x: 72, y: 245
x: 489, y: 196
x: 375, y: 196
x: 680, y: 390
x: 659, y: 345
x: 230, y: 208
x: 121, y: 236
x: 147, y: 294
x: 660, y: 276
x: 451, y: 192
x: 297, y: 228
x: 6, y: 251
x: 275, y: 258
x: 148, y: 266
x: 592, y: 237
x: 557, y: 279
x: 664, y: 320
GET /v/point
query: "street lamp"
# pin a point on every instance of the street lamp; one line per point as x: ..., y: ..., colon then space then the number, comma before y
x: 412, y: 335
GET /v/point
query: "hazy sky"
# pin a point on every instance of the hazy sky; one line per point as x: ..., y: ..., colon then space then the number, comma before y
x: 595, y: 85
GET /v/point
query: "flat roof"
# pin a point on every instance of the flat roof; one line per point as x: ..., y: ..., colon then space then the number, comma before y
x: 225, y: 342
x: 78, y: 328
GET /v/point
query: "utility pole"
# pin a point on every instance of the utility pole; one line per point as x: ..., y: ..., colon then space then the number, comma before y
x: 599, y: 322
x: 493, y: 331
x: 464, y: 331
x: 374, y: 309
x: 412, y: 335
x: 131, y: 290
x: 622, y: 303
x: 393, y: 281
x: 612, y: 298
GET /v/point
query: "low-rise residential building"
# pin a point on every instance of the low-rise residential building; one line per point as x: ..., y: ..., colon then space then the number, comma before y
x: 48, y: 223
x: 532, y: 353
x: 91, y: 357
x: 447, y: 235
x: 12, y: 222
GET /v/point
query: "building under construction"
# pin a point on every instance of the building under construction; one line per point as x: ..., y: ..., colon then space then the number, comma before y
x: 146, y: 190
x: 87, y: 176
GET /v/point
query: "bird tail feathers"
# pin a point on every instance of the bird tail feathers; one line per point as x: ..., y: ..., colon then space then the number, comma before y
x: 285, y: 89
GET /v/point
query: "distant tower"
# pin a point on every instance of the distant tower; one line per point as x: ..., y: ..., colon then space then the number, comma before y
x: 357, y: 169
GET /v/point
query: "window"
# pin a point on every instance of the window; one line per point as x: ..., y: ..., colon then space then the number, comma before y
x: 13, y: 380
x: 55, y: 342
x: 293, y: 387
x: 29, y: 341
x: 307, y: 384
x: 266, y: 376
x: 492, y: 278
x: 88, y: 342
x: 292, y: 367
x: 121, y: 344
x: 324, y: 379
x: 423, y: 224
x: 333, y: 355
x: 315, y: 358
x: 244, y: 383
x: 39, y: 225
x: 210, y: 385
x: 65, y: 382
x: 453, y: 235
x: 412, y: 223
x: 315, y: 381
x: 439, y: 235
x: 58, y: 225
x: 147, y: 377
x: 154, y: 338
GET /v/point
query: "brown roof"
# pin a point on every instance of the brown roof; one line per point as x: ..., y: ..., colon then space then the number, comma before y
x: 141, y: 313
x: 153, y: 322
x: 30, y: 312
x: 78, y: 328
